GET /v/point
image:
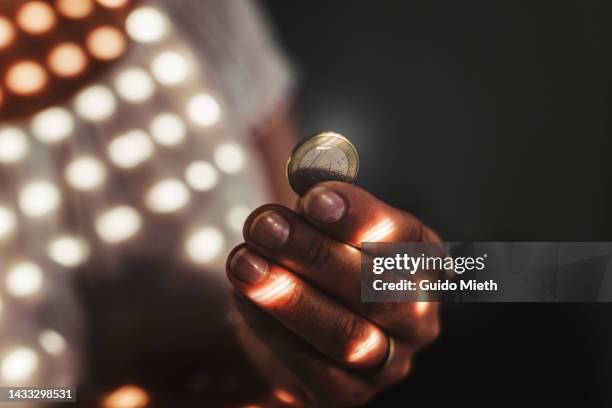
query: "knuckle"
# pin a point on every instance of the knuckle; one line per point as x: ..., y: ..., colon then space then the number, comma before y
x: 348, y: 328
x: 318, y: 253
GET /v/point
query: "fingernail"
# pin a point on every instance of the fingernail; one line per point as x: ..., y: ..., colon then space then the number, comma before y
x: 269, y: 229
x: 248, y: 267
x: 322, y: 204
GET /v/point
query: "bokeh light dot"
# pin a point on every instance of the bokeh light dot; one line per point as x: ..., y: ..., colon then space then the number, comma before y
x: 146, y: 25
x: 52, y: 342
x: 229, y: 158
x: 7, y: 32
x: 236, y: 216
x: 134, y: 85
x: 118, y: 224
x: 36, y: 17
x: 96, y: 103
x: 205, y: 244
x: 75, y: 9
x: 26, y: 78
x: 24, y: 279
x: 52, y: 125
x: 167, y: 196
x: 170, y: 68
x: 203, y: 110
x: 106, y: 43
x: 68, y: 251
x: 14, y: 145
x: 39, y: 198
x: 112, y: 3
x: 18, y: 365
x: 8, y: 221
x: 168, y: 129
x: 127, y: 396
x: 67, y: 60
x: 201, y: 176
x: 131, y: 149
x: 85, y: 173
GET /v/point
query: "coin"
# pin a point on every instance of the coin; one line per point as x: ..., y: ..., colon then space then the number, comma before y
x: 324, y: 157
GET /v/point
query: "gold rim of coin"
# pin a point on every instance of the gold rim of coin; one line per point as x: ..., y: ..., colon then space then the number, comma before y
x: 321, y: 166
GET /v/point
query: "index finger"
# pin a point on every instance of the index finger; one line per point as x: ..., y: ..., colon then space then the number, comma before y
x: 351, y: 214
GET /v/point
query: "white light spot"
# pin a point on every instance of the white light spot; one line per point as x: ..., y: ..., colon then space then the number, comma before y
x: 52, y: 342
x: 118, y: 224
x: 24, y: 279
x: 236, y: 217
x: 1, y: 307
x: 52, y: 125
x: 205, y: 245
x: 7, y: 221
x: 18, y: 365
x: 85, y: 173
x: 14, y: 145
x: 39, y: 198
x: 130, y: 150
x: 170, y: 68
x: 167, y: 196
x: 68, y: 251
x: 96, y: 103
x: 146, y: 24
x: 135, y: 85
x: 229, y: 158
x: 203, y: 110
x: 201, y: 176
x: 168, y: 129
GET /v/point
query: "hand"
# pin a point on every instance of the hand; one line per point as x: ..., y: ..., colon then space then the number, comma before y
x: 298, y: 276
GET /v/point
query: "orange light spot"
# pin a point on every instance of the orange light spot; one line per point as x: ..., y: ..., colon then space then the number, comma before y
x: 284, y: 396
x: 275, y: 291
x: 7, y: 32
x: 421, y: 308
x: 364, y: 348
x: 75, y: 9
x: 379, y: 232
x: 36, y: 17
x: 127, y: 396
x: 67, y: 60
x: 113, y: 3
x: 106, y: 43
x: 26, y: 78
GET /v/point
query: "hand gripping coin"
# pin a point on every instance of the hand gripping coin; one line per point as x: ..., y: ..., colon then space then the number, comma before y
x: 327, y: 156
x: 297, y: 280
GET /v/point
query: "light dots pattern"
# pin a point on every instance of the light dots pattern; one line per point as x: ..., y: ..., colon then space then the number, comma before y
x: 229, y: 158
x: 131, y: 149
x: 118, y: 224
x: 52, y: 342
x: 24, y: 279
x: 96, y: 103
x: 85, y: 173
x: 205, y: 244
x: 106, y: 43
x: 39, y: 198
x: 167, y: 196
x: 14, y: 145
x: 36, y: 17
x: 26, y: 78
x: 201, y: 176
x: 203, y: 110
x: 52, y: 125
x: 67, y: 60
x: 18, y: 365
x: 68, y: 251
x: 168, y: 129
x: 170, y: 68
x: 146, y: 25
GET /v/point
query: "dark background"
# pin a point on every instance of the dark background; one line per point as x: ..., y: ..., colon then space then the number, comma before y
x: 490, y: 121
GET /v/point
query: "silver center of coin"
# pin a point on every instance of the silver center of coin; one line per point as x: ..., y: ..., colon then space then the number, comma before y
x: 323, y: 157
